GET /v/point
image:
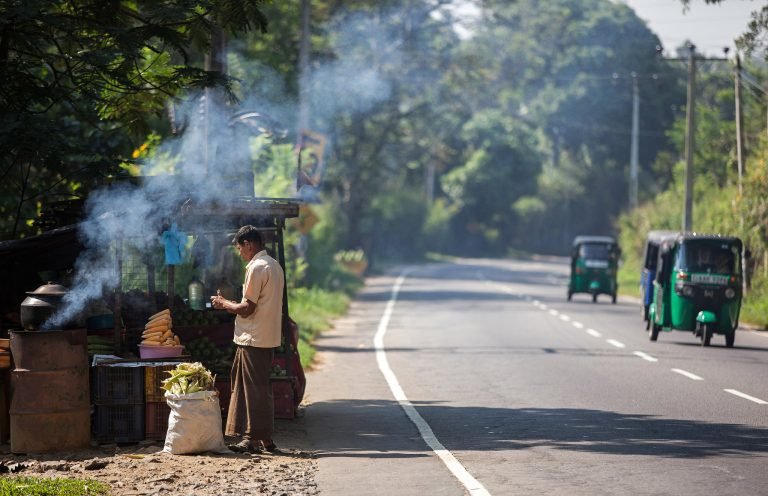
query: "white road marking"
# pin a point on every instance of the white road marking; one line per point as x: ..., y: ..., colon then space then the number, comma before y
x: 594, y: 333
x: 746, y: 396
x: 457, y: 469
x: 615, y: 343
x: 645, y: 356
x: 565, y: 318
x: 542, y: 306
x: 688, y: 374
x: 577, y: 325
x: 554, y: 312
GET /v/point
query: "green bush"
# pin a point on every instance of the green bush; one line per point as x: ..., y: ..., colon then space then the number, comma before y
x: 754, y: 308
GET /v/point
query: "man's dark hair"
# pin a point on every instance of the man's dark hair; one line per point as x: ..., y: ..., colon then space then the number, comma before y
x: 247, y: 233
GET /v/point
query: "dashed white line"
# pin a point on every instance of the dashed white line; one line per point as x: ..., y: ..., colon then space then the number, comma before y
x: 688, y: 374
x: 645, y: 356
x: 617, y: 344
x: 746, y: 396
x: 473, y: 486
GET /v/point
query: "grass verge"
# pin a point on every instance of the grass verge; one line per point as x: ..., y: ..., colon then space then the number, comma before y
x: 313, y: 309
x: 43, y: 486
x: 754, y: 306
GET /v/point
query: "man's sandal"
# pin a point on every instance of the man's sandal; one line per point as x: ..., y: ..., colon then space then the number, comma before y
x: 270, y: 448
x: 244, y: 446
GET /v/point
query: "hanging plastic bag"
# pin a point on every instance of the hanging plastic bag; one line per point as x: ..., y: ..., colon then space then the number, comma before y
x: 194, y: 424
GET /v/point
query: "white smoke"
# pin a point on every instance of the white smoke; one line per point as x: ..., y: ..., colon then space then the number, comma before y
x: 213, y: 153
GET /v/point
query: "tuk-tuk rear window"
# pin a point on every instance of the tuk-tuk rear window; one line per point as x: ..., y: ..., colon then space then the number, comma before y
x: 595, y: 251
x: 651, y: 256
x: 708, y: 256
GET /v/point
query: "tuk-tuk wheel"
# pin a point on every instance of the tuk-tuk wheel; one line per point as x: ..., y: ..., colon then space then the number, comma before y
x: 569, y: 295
x: 653, y: 334
x: 613, y: 298
x: 594, y: 298
x: 730, y: 338
x: 706, y: 335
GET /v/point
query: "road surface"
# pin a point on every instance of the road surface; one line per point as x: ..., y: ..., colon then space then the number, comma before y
x: 478, y: 377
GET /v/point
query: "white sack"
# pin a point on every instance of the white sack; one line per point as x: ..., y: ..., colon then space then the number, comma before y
x: 194, y: 424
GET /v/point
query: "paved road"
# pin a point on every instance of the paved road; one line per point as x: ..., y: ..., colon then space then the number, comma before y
x: 526, y: 393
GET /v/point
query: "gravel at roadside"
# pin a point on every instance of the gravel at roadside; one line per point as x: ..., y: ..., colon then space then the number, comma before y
x: 144, y: 469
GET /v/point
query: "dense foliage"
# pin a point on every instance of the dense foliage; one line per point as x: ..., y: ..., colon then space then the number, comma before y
x: 83, y: 81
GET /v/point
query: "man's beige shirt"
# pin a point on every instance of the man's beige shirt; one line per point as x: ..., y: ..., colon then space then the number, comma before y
x: 264, y: 282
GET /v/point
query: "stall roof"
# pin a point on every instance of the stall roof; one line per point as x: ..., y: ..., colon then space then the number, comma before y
x: 236, y: 212
x: 54, y: 249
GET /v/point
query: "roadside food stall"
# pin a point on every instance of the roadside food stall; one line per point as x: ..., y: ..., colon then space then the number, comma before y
x: 125, y: 400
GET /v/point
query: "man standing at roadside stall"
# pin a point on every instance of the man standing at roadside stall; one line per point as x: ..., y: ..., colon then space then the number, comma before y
x: 257, y: 332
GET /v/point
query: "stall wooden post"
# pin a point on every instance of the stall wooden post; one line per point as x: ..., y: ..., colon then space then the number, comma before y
x: 118, y: 312
x: 171, y: 285
x: 151, y: 286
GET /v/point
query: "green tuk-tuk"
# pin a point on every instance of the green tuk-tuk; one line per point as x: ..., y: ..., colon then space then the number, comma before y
x: 698, y: 287
x: 594, y: 260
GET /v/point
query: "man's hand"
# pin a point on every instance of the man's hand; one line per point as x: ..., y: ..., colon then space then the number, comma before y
x: 218, y: 302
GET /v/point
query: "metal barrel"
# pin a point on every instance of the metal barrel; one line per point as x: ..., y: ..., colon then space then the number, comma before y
x: 50, y: 396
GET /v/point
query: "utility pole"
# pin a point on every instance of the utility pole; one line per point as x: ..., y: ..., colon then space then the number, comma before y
x: 303, y: 118
x: 633, y: 162
x: 690, y: 131
x: 739, y: 135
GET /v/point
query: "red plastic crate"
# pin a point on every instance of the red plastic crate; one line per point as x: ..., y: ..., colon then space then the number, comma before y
x: 156, y: 420
x: 154, y: 375
x: 222, y: 385
x: 283, y: 394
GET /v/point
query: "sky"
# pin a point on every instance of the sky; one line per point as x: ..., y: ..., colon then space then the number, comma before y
x: 709, y: 27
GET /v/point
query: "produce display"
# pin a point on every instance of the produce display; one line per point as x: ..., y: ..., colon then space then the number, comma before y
x: 189, y: 378
x: 158, y: 330
x: 189, y: 317
x: 214, y: 357
x: 100, y: 345
x: 278, y: 371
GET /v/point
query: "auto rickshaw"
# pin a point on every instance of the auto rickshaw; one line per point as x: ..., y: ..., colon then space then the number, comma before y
x: 594, y: 260
x: 650, y: 257
x: 697, y: 287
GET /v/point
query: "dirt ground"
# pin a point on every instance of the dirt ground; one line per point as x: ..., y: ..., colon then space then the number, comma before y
x: 144, y: 469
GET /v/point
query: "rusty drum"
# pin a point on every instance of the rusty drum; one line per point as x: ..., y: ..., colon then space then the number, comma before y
x: 50, y: 397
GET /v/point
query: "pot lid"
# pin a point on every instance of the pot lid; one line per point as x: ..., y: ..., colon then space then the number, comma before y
x: 51, y: 289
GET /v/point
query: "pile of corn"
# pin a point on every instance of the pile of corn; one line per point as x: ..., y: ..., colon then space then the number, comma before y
x: 158, y: 331
x: 188, y: 378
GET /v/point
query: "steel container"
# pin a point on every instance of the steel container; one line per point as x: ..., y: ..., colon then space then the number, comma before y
x: 40, y: 304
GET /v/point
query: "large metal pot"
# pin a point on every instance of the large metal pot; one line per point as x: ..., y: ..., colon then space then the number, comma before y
x: 40, y: 304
